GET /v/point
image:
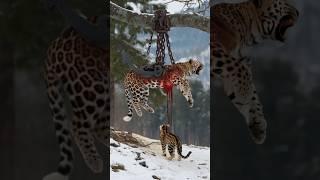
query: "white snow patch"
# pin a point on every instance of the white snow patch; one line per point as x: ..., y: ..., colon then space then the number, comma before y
x: 136, y: 7
x: 196, y: 166
x: 172, y: 6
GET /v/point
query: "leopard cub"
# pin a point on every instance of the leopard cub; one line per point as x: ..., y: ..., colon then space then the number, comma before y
x: 173, y: 141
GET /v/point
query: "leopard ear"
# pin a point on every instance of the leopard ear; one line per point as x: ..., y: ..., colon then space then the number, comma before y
x: 257, y: 3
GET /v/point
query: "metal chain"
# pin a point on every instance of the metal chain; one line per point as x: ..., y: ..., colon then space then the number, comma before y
x: 161, y: 26
x: 161, y: 47
x: 150, y: 41
x: 169, y: 49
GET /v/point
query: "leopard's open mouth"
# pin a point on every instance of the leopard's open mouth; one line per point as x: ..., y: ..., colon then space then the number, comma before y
x: 199, y: 69
x: 285, y: 23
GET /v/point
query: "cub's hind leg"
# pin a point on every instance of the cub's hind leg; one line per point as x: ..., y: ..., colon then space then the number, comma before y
x: 163, y: 147
x: 171, y: 149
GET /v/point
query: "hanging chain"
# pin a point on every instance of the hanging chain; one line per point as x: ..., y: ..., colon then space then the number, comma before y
x: 169, y: 49
x: 160, y: 48
x: 161, y: 26
x: 150, y: 41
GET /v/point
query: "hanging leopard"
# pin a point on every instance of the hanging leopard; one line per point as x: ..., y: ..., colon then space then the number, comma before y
x: 76, y: 71
x: 173, y: 142
x: 234, y: 27
x: 136, y: 87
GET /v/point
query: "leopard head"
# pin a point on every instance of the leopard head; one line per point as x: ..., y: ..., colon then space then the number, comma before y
x: 164, y: 128
x: 276, y: 16
x: 196, y: 66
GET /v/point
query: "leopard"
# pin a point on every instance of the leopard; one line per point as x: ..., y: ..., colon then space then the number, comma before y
x: 235, y: 27
x: 173, y: 142
x: 136, y: 86
x: 77, y: 74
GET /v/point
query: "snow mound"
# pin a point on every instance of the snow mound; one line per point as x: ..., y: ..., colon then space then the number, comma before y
x: 131, y: 163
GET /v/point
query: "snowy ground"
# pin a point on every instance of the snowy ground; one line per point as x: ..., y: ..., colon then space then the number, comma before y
x: 196, y: 166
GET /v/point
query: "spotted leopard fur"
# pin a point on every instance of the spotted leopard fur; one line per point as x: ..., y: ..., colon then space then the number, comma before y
x: 78, y: 70
x: 233, y: 28
x: 137, y: 87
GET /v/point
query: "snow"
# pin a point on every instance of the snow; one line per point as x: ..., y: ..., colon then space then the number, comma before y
x: 172, y: 6
x: 135, y: 6
x: 196, y: 166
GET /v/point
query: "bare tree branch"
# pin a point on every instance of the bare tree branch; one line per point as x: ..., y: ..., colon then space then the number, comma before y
x: 145, y: 20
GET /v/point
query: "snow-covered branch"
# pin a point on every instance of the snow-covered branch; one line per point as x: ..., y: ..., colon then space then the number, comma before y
x: 145, y: 20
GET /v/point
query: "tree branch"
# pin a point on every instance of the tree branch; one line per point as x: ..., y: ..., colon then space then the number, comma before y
x: 145, y: 20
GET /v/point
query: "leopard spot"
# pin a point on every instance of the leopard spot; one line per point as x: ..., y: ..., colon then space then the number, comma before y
x: 79, y: 101
x: 69, y: 58
x: 85, y: 80
x: 67, y: 45
x: 95, y: 74
x: 69, y: 89
x: 90, y: 109
x: 60, y: 56
x: 90, y: 96
x: 99, y: 88
x: 100, y: 102
x: 73, y: 74
x: 78, y: 87
x: 90, y: 62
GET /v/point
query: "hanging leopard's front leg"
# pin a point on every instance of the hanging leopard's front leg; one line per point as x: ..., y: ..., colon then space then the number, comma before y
x: 186, y: 91
x: 238, y: 85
